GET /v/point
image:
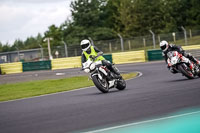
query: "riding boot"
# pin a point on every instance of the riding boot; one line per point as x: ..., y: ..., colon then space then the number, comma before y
x: 116, y: 72
x: 109, y: 77
x: 112, y: 68
x: 197, y: 62
x: 192, y: 67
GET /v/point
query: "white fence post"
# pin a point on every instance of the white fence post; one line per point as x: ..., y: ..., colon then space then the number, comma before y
x: 66, y: 51
x: 122, y: 42
x: 129, y: 45
x: 42, y: 53
x: 144, y: 42
x: 110, y: 46
x: 153, y: 37
x: 185, y: 34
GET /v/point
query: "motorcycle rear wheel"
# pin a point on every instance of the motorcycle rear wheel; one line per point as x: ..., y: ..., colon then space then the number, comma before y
x: 102, y: 85
x: 121, y: 84
x: 199, y: 74
x: 185, y: 72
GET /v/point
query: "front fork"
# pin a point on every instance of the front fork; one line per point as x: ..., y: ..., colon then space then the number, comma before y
x: 189, y: 63
x: 94, y: 74
x: 109, y: 76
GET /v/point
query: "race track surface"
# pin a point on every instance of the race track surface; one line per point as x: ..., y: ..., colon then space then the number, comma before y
x: 155, y: 94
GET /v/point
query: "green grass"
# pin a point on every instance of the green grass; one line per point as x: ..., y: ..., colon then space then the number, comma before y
x: 36, y: 88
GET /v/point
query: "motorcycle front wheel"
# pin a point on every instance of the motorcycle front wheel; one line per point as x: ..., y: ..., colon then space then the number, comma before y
x: 102, y: 85
x: 184, y: 70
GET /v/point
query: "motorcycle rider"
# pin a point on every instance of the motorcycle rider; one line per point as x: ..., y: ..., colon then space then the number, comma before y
x: 90, y: 51
x: 166, y: 47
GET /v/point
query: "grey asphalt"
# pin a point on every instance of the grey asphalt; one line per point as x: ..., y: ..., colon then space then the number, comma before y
x: 155, y: 94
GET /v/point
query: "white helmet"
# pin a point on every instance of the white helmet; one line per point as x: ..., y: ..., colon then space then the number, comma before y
x: 85, y: 44
x: 164, y: 45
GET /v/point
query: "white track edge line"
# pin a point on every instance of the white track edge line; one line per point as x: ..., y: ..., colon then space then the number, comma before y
x: 139, y: 75
x: 142, y: 122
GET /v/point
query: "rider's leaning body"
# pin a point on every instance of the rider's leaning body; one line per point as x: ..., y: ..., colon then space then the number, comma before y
x: 94, y: 51
x: 165, y: 47
x: 89, y: 50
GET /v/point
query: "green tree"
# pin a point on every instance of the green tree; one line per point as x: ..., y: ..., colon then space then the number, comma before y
x: 55, y: 33
x: 124, y: 17
x: 18, y: 44
x: 89, y: 20
x: 6, y: 48
x: 31, y: 43
x: 181, y: 13
x: 1, y: 46
x: 136, y: 17
x: 193, y: 14
x: 86, y: 13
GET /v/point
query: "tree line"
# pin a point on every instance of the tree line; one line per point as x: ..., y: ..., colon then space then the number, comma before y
x: 104, y: 19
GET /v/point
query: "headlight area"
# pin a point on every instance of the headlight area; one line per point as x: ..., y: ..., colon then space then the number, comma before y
x: 92, y: 66
x: 87, y: 70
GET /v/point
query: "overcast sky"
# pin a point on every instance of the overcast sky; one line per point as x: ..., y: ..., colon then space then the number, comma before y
x: 20, y: 19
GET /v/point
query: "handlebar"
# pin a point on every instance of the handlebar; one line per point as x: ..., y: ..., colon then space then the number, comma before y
x: 94, y: 58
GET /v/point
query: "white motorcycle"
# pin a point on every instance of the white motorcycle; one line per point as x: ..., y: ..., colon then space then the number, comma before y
x: 181, y: 64
x: 102, y: 77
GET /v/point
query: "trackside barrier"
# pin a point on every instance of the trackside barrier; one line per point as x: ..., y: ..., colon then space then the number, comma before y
x: 9, y: 68
x: 72, y: 62
x: 63, y: 63
x: 191, y: 47
x: 38, y: 65
x: 155, y: 54
x: 129, y: 57
x: 108, y: 57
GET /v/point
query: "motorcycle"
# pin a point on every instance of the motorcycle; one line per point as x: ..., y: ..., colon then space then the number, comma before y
x: 102, y: 77
x: 181, y: 64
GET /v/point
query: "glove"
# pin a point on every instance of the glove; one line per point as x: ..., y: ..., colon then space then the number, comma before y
x: 100, y: 53
x: 92, y: 56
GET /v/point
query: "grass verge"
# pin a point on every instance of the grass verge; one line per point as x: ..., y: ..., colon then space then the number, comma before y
x: 36, y: 88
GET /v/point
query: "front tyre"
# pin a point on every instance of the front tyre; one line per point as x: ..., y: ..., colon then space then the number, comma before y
x: 102, y: 85
x: 121, y: 84
x: 184, y: 70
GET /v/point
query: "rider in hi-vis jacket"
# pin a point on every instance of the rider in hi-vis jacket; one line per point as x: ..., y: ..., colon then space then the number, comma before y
x: 89, y: 50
